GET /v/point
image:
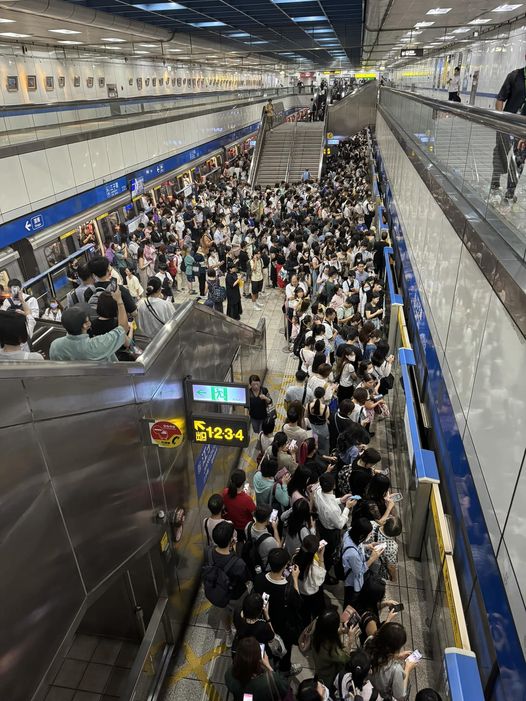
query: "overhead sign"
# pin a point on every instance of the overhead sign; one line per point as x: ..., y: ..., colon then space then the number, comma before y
x: 365, y: 76
x: 220, y: 429
x: 226, y: 393
x: 203, y: 466
x: 411, y: 53
x: 136, y: 186
x: 165, y: 433
x: 34, y: 223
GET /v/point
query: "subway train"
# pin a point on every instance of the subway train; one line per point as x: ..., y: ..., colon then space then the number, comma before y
x: 41, y: 260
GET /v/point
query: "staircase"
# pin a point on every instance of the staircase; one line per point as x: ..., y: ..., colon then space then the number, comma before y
x: 307, y: 150
x: 288, y: 150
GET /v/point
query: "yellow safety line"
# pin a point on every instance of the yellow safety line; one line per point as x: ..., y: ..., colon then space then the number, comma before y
x: 193, y: 663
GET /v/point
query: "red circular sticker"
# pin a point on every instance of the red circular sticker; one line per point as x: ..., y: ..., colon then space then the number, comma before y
x: 166, y: 434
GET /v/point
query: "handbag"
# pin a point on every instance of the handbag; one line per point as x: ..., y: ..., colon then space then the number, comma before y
x: 305, y: 638
x: 277, y: 646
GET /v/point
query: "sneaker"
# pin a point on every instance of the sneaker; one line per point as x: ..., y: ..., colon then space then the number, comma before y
x: 495, y: 196
x: 294, y: 670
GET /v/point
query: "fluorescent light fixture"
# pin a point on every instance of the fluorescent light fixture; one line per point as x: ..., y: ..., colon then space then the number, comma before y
x: 70, y: 42
x: 413, y: 32
x: 160, y: 6
x: 461, y: 30
x: 14, y: 35
x: 310, y: 18
x: 439, y: 11
x: 11, y: 21
x: 56, y: 31
x: 141, y: 52
x: 239, y: 35
x: 173, y: 50
x: 204, y: 25
x: 419, y: 25
x: 262, y: 41
x: 507, y: 8
x: 149, y: 46
x: 113, y: 40
x: 479, y: 21
x: 288, y: 2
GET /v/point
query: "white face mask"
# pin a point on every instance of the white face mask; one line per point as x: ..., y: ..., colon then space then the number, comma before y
x: 325, y: 693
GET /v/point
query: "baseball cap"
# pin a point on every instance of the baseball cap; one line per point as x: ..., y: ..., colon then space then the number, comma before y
x: 74, y: 317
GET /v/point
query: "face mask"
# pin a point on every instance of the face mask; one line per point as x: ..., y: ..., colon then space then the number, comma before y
x: 53, y: 305
x: 15, y: 290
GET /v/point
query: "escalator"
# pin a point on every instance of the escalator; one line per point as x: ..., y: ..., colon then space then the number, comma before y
x: 355, y: 112
x: 101, y: 530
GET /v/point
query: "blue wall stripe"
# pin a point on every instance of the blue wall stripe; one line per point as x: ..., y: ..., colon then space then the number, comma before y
x: 474, y: 556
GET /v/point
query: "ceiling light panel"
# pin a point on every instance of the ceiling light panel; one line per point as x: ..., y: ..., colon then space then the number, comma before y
x: 69, y: 42
x: 113, y: 40
x: 310, y: 18
x: 461, y: 30
x: 160, y: 6
x: 479, y: 21
x: 421, y: 25
x: 14, y: 35
x: 205, y: 25
x: 60, y: 31
x: 439, y: 11
x: 149, y: 46
x: 507, y: 8
x: 11, y: 21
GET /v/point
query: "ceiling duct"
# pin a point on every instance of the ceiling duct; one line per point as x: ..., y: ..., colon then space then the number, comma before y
x: 88, y: 17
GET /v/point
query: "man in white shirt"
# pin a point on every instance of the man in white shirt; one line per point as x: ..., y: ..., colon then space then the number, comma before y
x: 14, y: 303
x: 333, y: 514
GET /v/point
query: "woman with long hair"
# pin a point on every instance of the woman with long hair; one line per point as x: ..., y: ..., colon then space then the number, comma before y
x: 239, y: 506
x: 298, y: 523
x: 279, y: 450
x: 309, y: 559
x: 352, y: 682
x: 300, y: 485
x: 318, y: 414
x: 252, y: 673
x: 390, y: 668
x: 345, y: 373
x: 329, y: 654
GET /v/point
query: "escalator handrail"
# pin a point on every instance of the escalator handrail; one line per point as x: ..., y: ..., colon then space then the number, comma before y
x: 498, y: 121
x: 260, y: 138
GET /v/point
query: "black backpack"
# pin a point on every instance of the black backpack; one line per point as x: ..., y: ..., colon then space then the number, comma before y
x: 339, y: 571
x: 216, y: 582
x: 93, y: 300
x: 250, y: 552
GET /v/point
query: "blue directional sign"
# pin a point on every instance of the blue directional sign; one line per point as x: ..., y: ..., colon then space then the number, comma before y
x: 34, y: 223
x: 203, y: 466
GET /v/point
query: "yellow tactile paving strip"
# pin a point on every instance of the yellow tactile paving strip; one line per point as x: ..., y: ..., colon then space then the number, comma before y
x: 194, y: 664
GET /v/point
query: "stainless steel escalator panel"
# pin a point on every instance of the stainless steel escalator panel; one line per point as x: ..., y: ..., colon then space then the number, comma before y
x: 355, y: 112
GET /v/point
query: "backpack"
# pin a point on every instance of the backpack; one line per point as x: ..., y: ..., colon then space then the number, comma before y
x: 250, y: 552
x: 339, y: 570
x: 94, y: 300
x: 299, y: 343
x: 216, y: 582
x: 218, y: 294
x: 346, y: 690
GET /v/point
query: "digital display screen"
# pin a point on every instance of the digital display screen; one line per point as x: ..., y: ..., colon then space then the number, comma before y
x: 220, y: 394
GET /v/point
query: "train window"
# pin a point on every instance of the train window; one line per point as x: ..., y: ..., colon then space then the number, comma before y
x: 55, y: 253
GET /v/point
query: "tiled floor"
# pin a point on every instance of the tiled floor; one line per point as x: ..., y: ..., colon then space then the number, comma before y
x: 198, y: 672
x: 94, y: 669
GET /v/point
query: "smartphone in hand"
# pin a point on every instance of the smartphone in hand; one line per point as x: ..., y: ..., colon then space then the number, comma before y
x: 273, y: 516
x: 415, y: 656
x: 266, y: 598
x: 396, y: 608
x: 397, y: 496
x: 380, y: 547
x: 322, y: 544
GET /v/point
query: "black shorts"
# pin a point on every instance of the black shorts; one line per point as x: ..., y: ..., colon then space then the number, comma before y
x: 257, y: 286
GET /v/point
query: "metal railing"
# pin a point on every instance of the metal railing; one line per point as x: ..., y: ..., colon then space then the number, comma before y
x: 34, y: 123
x: 322, y: 145
x: 260, y: 138
x: 478, y: 151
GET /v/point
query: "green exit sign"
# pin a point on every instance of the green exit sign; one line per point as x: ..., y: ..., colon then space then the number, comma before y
x: 226, y: 393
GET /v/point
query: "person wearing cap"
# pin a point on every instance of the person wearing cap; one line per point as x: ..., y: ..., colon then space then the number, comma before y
x: 154, y: 311
x: 77, y: 344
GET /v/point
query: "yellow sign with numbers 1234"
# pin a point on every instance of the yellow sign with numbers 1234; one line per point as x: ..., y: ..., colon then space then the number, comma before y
x: 220, y: 429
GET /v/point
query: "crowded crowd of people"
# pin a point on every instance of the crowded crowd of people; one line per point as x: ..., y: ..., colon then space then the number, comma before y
x: 319, y: 514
